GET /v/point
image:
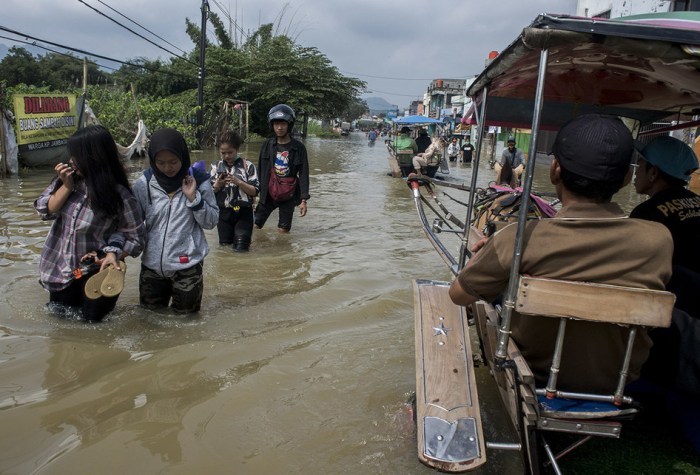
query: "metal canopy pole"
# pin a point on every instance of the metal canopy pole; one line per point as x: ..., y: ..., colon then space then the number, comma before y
x: 481, y: 118
x: 513, y: 281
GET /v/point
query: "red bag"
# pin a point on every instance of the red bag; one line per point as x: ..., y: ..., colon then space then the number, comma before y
x: 281, y: 188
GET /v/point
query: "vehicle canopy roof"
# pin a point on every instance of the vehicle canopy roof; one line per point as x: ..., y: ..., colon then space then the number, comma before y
x: 643, y: 67
x: 416, y: 120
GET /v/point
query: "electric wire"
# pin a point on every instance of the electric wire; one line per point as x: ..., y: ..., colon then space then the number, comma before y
x: 77, y: 50
x: 228, y: 16
x: 141, y: 26
x: 54, y: 51
x: 135, y: 33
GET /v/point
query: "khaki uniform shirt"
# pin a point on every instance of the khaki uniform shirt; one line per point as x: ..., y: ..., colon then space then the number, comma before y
x: 583, y: 242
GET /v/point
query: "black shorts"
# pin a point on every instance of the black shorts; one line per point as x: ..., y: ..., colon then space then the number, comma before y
x: 286, y: 214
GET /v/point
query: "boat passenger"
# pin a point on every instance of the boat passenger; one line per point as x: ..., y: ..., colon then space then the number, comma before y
x: 283, y: 168
x: 663, y: 172
x: 404, y: 142
x: 510, y: 166
x: 588, y: 240
x: 673, y: 369
x: 94, y: 214
x: 423, y: 141
x: 177, y: 207
x: 421, y: 160
x: 235, y: 183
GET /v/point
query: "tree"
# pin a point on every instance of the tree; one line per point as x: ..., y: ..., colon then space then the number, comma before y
x: 18, y: 67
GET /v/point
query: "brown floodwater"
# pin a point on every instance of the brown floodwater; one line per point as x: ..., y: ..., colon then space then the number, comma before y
x: 300, y: 361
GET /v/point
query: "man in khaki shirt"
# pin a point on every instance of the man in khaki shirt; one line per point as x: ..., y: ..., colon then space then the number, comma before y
x: 590, y: 239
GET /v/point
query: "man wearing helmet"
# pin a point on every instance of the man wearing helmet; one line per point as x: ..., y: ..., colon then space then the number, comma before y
x: 283, y: 163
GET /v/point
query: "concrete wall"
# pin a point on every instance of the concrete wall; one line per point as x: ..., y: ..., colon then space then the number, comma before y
x: 618, y: 8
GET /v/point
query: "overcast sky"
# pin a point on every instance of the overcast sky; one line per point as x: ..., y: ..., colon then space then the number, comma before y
x: 397, y: 47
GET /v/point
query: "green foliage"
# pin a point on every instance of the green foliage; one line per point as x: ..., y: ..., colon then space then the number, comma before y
x: 53, y: 70
x: 317, y: 130
x: 267, y: 69
x: 118, y: 111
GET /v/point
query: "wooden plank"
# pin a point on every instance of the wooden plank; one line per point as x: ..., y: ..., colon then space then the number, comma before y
x: 523, y: 367
x: 594, y: 302
x: 449, y: 432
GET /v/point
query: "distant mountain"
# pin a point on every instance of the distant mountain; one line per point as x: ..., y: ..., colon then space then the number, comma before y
x: 378, y: 105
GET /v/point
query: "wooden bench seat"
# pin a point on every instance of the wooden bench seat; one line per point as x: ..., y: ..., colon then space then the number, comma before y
x: 449, y: 431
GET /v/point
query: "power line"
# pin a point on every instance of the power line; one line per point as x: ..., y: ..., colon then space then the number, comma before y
x: 14, y: 32
x: 137, y: 34
x: 141, y: 26
x: 231, y: 20
x: 53, y: 51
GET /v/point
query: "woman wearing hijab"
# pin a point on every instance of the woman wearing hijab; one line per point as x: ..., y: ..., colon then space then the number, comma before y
x: 95, y: 218
x: 178, y: 204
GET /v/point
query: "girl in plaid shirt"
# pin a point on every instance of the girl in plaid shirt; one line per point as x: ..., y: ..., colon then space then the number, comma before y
x: 94, y: 212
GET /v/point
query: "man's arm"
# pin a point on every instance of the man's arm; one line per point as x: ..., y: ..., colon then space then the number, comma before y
x: 459, y: 296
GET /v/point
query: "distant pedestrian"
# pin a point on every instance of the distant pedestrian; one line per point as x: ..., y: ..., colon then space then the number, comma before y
x: 453, y: 150
x: 467, y: 151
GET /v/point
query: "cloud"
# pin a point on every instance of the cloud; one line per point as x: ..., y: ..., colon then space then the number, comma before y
x: 408, y: 42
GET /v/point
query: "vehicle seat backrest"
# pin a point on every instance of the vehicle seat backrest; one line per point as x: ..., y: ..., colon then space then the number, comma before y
x: 594, y: 302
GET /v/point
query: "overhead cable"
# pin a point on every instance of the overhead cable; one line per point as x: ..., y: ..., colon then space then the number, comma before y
x: 141, y: 26
x: 14, y: 32
x: 53, y: 51
x: 137, y: 34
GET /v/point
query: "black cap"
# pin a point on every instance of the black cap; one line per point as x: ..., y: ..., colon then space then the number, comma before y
x: 405, y: 129
x: 595, y: 146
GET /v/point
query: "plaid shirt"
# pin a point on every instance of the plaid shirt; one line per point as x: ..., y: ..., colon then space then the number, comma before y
x: 76, y: 231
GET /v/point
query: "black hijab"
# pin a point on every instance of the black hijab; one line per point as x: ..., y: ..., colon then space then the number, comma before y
x: 173, y: 141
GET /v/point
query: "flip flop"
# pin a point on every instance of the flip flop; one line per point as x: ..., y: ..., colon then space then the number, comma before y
x: 93, y: 284
x: 113, y: 282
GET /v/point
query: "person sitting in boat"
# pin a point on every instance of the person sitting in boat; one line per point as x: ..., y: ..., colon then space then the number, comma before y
x: 405, y: 143
x: 423, y: 159
x: 663, y: 172
x: 510, y: 166
x: 588, y: 240
x: 423, y: 141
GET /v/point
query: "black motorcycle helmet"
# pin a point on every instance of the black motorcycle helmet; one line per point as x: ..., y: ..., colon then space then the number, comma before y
x: 281, y: 112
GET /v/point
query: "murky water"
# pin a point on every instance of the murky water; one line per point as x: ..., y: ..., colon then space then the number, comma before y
x: 301, y: 360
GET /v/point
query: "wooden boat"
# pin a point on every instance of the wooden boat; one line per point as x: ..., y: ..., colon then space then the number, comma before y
x: 400, y: 161
x: 643, y: 69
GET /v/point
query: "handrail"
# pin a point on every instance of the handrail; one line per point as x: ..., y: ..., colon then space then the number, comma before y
x: 511, y: 292
x: 414, y: 183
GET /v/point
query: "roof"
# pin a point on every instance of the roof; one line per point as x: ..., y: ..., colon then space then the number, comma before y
x: 415, y: 120
x: 645, y: 67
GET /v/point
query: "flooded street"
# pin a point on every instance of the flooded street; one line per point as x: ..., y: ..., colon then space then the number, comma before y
x: 300, y: 361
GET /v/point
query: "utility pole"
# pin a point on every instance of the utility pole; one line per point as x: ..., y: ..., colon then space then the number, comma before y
x: 200, y: 92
